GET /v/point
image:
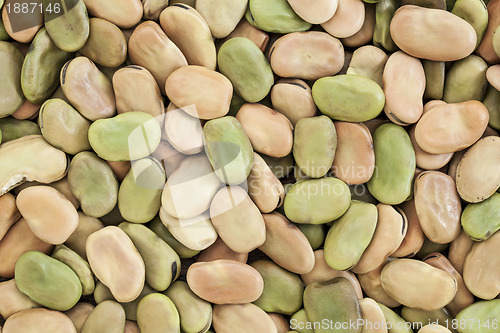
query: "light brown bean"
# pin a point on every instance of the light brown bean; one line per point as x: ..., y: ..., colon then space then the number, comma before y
x: 404, y: 86
x: 123, y: 13
x: 219, y: 250
x: 241, y: 318
x: 225, y: 281
x: 368, y: 61
x: 432, y: 34
x: 293, y: 98
x: 306, y: 55
x: 245, y: 29
x: 451, y: 127
x: 322, y: 11
x: 39, y: 321
x: 347, y: 20
x: 9, y: 213
x: 286, y: 245
x: 425, y: 160
x: 438, y: 206
x: 458, y: 251
x: 365, y: 34
x: 414, y: 237
x: 12, y: 300
x: 269, y: 131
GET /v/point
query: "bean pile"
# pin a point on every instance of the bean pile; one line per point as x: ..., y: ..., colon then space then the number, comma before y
x: 249, y: 166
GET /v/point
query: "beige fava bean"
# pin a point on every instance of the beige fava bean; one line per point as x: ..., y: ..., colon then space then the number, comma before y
x: 451, y: 127
x: 478, y: 173
x: 79, y: 313
x: 432, y: 328
x: 183, y: 131
x: 207, y: 89
x: 106, y: 44
x: 27, y: 110
x: 131, y: 327
x: 426, y: 160
x: 242, y: 318
x: 32, y: 24
x: 264, y: 188
x: 17, y: 241
x: 150, y: 48
x: 418, y: 285
x: 225, y: 281
x: 458, y: 251
x: 432, y: 34
x: 39, y: 321
x: 372, y: 286
x: 322, y: 272
x: 373, y: 316
x: 347, y: 20
x: 136, y: 90
x: 432, y: 103
x: 438, y: 206
x: 286, y: 245
x: 368, y: 61
x: 88, y: 89
x: 222, y: 16
x: 9, y: 213
x: 365, y: 34
x: 482, y: 268
x: 123, y: 13
x: 50, y: 216
x: 463, y: 298
x: 493, y: 76
x: 245, y: 29
x: 219, y: 250
x: 237, y: 220
x: 404, y: 86
x: 320, y: 12
x: 269, y: 131
x: 390, y: 232
x: 307, y: 55
x: 191, y: 33
x: 414, y: 235
x: 354, y: 160
x: 293, y: 98
x: 190, y: 188
x: 116, y: 263
x: 12, y: 300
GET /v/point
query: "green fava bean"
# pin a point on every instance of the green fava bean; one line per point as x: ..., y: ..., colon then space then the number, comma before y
x: 195, y: 313
x: 434, y: 78
x: 480, y: 312
x: 397, y: 324
x: 492, y: 103
x: 317, y: 201
x: 395, y: 165
x: 93, y: 183
x: 63, y: 126
x: 107, y: 316
x: 228, y: 149
x: 41, y: 67
x: 481, y: 220
x: 69, y: 30
x: 384, y: 11
x: 3, y: 33
x: 314, y: 144
x: 139, y: 197
x: 244, y: 64
x: 274, y: 16
x: 159, y: 228
x: 127, y: 136
x: 334, y: 300
x: 47, y: 281
x: 162, y: 263
x: 351, y: 97
x: 157, y: 313
x: 79, y: 265
x: 11, y: 94
x: 466, y: 80
x: 350, y: 235
x: 475, y: 13
x: 282, y: 289
x: 13, y: 128
x: 314, y: 233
